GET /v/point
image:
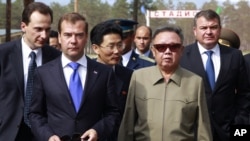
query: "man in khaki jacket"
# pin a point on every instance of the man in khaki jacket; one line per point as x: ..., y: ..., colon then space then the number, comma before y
x: 166, y: 102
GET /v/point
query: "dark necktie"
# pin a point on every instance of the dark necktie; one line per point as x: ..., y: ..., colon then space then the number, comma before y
x: 29, y: 87
x: 75, y: 86
x: 210, y: 69
x: 121, y: 61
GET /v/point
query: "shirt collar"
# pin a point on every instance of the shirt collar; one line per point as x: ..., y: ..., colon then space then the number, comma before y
x: 202, y: 50
x: 26, y: 50
x: 145, y: 54
x: 127, y: 55
x: 82, y: 61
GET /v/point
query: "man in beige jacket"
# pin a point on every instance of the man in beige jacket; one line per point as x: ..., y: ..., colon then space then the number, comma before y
x: 166, y: 102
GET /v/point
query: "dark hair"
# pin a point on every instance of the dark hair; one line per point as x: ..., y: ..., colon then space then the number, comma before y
x: 72, y: 17
x: 207, y: 14
x: 53, y: 33
x: 36, y: 6
x: 170, y: 28
x: 104, y: 28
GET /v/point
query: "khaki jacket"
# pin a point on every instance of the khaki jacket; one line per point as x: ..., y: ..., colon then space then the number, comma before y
x: 156, y: 111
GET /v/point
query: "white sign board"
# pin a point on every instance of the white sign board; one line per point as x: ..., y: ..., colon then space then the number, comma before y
x: 173, y: 13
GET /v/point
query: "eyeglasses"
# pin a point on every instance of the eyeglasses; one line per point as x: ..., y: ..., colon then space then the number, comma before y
x: 74, y: 137
x: 111, y: 47
x: 163, y: 47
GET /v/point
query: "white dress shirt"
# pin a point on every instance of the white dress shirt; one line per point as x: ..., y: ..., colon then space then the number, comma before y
x: 67, y: 70
x: 144, y: 54
x: 26, y: 50
x: 126, y: 57
x: 215, y: 57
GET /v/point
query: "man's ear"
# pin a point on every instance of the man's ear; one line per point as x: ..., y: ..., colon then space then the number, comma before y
x: 95, y: 47
x: 23, y: 26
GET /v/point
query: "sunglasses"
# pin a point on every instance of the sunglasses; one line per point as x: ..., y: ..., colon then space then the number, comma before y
x: 74, y: 137
x: 174, y: 47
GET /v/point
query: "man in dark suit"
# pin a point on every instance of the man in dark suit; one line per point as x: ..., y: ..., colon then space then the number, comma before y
x: 60, y: 110
x: 106, y: 40
x: 227, y: 89
x: 142, y: 40
x: 129, y: 58
x: 14, y: 61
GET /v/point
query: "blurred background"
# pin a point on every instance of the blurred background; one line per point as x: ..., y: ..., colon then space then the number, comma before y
x: 235, y: 14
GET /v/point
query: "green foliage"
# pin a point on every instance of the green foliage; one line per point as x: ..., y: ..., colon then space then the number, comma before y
x: 233, y: 16
x: 2, y: 15
x: 122, y: 9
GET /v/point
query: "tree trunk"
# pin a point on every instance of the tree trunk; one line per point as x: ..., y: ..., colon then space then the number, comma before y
x: 8, y: 21
x: 135, y: 10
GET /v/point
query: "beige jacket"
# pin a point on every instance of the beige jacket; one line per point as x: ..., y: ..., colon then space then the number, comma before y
x: 156, y: 111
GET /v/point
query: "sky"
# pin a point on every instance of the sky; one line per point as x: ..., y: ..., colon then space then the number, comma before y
x: 65, y: 2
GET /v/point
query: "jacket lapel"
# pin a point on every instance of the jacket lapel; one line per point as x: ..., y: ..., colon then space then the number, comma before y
x: 118, y: 81
x: 132, y: 63
x: 16, y: 59
x: 196, y: 64
x: 57, y: 72
x: 91, y: 77
x: 196, y: 60
x: 225, y: 58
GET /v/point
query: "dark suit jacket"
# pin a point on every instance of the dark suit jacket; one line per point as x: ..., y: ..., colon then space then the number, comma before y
x: 135, y: 62
x: 52, y: 109
x: 12, y: 86
x: 228, y: 97
x: 247, y: 61
x: 122, y: 79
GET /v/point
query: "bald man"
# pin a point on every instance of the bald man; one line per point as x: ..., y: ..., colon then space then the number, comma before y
x: 142, y: 41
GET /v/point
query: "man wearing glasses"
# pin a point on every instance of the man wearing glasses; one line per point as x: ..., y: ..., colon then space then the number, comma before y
x: 129, y: 58
x: 106, y: 40
x: 162, y: 104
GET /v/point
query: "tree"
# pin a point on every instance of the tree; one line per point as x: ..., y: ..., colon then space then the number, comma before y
x: 186, y: 23
x: 242, y: 24
x: 17, y: 8
x: 233, y: 16
x: 121, y: 9
x: 8, y: 20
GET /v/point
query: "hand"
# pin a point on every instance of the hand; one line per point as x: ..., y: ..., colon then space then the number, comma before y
x: 90, y: 135
x: 54, y: 138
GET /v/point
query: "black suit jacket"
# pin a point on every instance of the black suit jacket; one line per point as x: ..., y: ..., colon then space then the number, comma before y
x: 12, y: 86
x: 135, y: 62
x: 247, y: 61
x: 122, y: 79
x: 52, y: 109
x: 226, y: 101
